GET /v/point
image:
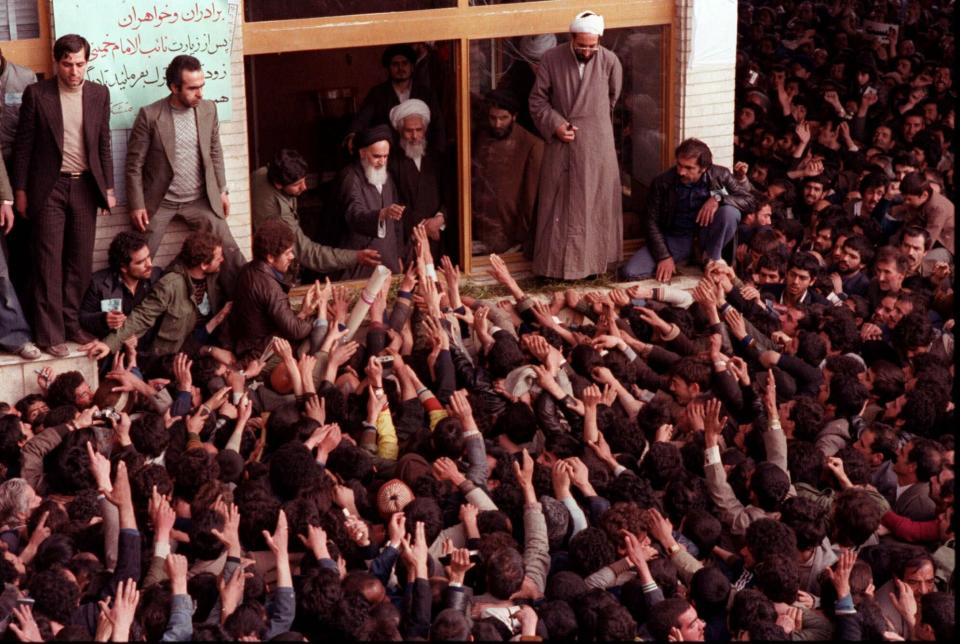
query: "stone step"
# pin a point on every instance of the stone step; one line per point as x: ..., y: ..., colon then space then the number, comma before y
x: 18, y: 376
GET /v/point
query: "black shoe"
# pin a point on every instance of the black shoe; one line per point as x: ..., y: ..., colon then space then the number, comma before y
x: 58, y: 350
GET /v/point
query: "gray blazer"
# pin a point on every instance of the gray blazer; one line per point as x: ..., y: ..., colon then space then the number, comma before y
x: 151, y: 152
x: 915, y: 503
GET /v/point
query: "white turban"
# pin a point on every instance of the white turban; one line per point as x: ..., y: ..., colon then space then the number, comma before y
x: 532, y: 48
x: 410, y: 107
x: 587, y: 22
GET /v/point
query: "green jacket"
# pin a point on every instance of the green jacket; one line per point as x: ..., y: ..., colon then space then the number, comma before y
x: 266, y: 203
x: 170, y: 302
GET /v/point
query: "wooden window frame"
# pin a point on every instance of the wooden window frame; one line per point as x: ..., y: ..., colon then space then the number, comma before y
x: 464, y: 23
x: 461, y: 23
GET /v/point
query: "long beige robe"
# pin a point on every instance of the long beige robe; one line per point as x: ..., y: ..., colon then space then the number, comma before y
x: 580, y: 213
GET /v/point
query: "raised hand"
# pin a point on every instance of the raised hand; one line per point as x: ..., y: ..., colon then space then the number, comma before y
x: 591, y: 396
x: 230, y: 535
x: 316, y: 541
x: 25, y: 628
x: 560, y: 473
x: 444, y: 469
x: 123, y: 609
x: 712, y: 424
x: 840, y: 574
x: 100, y: 468
x: 735, y: 322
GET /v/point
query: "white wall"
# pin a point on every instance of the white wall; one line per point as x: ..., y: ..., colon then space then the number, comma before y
x: 707, y: 44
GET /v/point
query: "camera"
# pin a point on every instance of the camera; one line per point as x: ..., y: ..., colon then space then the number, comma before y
x: 109, y: 413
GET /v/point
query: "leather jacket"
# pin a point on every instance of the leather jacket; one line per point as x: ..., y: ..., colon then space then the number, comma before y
x: 662, y: 202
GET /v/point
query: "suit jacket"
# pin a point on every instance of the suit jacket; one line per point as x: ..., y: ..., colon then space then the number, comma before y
x: 662, y: 203
x: 937, y: 216
x: 915, y: 503
x: 152, y: 150
x: 39, y: 144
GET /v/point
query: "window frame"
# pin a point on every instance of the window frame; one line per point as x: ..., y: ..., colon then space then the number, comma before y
x: 34, y: 53
x: 462, y: 24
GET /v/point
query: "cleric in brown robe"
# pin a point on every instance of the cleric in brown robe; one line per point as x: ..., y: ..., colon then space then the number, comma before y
x: 368, y: 197
x: 579, y: 218
x: 506, y: 173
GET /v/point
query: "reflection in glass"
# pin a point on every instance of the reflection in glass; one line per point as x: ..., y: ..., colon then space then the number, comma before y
x: 348, y: 91
x: 509, y: 65
x: 257, y: 10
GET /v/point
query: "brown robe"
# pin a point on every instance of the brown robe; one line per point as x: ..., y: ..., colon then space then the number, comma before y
x: 506, y: 173
x: 580, y: 213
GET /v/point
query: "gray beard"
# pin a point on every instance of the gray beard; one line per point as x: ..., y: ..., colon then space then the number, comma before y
x: 375, y: 176
x: 414, y: 151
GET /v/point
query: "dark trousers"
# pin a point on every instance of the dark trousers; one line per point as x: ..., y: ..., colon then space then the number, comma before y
x: 64, y: 229
x: 20, y: 260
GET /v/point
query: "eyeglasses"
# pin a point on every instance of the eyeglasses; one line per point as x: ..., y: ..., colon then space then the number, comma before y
x: 586, y: 49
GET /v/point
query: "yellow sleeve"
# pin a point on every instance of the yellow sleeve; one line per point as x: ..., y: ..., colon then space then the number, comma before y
x: 387, y: 445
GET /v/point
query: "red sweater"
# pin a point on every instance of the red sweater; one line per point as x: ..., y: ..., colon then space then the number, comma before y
x: 909, y: 530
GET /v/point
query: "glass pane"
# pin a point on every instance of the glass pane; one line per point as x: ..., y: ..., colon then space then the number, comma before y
x: 257, y: 10
x: 344, y: 91
x: 503, y: 177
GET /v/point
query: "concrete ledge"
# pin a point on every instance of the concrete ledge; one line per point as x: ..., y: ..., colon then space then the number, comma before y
x: 18, y: 376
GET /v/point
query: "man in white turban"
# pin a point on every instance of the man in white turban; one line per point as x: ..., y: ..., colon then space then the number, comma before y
x: 416, y: 168
x: 580, y: 212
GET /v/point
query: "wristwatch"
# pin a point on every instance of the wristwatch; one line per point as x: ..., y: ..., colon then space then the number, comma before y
x: 674, y: 549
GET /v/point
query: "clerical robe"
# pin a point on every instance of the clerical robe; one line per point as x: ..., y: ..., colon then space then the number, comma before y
x: 361, y: 203
x: 580, y: 211
x: 506, y: 173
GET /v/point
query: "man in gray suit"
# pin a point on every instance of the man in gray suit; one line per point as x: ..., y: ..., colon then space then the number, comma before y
x: 918, y: 461
x: 175, y: 165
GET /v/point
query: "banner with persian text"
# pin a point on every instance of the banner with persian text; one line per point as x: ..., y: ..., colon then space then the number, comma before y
x: 132, y: 42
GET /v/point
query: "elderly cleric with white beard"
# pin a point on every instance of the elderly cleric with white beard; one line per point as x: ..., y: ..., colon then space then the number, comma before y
x: 417, y: 168
x: 368, y: 197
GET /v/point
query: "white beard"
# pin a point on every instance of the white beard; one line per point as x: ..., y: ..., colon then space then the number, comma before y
x: 414, y: 151
x: 375, y: 176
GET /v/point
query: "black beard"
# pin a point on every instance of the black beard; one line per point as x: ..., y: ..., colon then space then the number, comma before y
x: 500, y: 134
x: 583, y: 58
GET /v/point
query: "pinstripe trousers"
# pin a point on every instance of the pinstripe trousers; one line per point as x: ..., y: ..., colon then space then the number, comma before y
x: 64, y: 230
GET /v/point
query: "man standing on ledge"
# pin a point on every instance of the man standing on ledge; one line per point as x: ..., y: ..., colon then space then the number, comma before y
x: 580, y: 213
x: 175, y: 166
x: 694, y: 198
x: 63, y: 172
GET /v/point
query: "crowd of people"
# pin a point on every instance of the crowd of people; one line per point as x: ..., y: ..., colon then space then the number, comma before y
x: 768, y: 456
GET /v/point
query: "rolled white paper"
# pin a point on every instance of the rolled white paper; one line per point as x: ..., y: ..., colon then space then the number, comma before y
x: 380, y: 275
